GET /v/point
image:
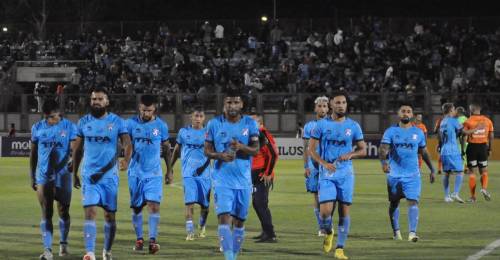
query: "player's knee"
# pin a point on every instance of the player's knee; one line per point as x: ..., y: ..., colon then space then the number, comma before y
x: 238, y: 222
x: 63, y: 212
x: 109, y: 216
x: 412, y: 202
x: 154, y: 207
x: 394, y: 204
x: 90, y: 213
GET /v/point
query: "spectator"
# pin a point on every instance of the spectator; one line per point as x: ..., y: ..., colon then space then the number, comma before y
x: 12, y: 130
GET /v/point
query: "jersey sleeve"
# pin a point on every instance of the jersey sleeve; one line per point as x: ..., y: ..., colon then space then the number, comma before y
x: 386, y: 138
x: 317, y: 130
x: 210, y: 133
x: 34, y: 134
x: 253, y: 129
x: 164, y: 132
x: 79, y: 128
x: 358, y: 133
x: 467, y: 125
x: 422, y: 143
x: 306, y: 134
x: 72, y: 131
x: 179, y: 138
x: 458, y: 126
x: 490, y: 125
x: 122, y: 126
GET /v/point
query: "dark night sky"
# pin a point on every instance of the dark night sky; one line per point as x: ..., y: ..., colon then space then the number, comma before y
x: 114, y: 10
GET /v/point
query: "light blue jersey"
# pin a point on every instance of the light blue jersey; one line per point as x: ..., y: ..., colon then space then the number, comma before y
x: 100, y: 143
x: 54, y: 146
x: 194, y: 161
x: 308, y: 128
x: 336, y: 139
x: 235, y: 174
x: 448, y: 132
x: 404, y: 144
x: 147, y: 139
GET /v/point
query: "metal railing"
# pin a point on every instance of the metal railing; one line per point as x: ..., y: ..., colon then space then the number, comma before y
x: 282, y: 111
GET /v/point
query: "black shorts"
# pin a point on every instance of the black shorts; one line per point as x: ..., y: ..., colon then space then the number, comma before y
x: 477, y: 155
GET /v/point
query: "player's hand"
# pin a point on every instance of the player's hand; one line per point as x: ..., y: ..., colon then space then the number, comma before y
x: 307, y: 172
x: 386, y: 168
x: 330, y: 167
x: 169, y: 178
x: 33, y: 184
x: 76, y: 181
x: 345, y: 157
x: 227, y: 157
x: 235, y: 145
x: 267, y: 179
x: 432, y: 177
x: 123, y: 165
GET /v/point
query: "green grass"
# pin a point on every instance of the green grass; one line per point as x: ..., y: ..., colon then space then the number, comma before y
x: 447, y: 231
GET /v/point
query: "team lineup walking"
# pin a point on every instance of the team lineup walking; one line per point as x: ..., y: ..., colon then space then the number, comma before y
x: 233, y: 157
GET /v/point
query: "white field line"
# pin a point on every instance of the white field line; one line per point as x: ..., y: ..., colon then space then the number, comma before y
x: 488, y: 249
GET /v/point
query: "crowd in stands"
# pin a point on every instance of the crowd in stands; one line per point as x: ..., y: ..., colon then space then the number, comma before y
x: 365, y: 58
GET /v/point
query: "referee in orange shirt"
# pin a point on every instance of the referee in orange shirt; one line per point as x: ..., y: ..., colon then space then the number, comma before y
x: 262, y: 178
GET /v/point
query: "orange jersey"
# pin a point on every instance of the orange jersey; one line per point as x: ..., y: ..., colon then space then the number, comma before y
x: 479, y: 136
x: 267, y: 156
x: 438, y: 123
x: 422, y: 127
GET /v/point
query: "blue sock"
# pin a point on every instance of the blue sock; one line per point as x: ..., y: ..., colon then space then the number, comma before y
x: 394, y: 215
x: 326, y: 224
x: 189, y: 227
x: 344, y: 225
x: 318, y: 219
x: 109, y: 234
x: 458, y: 183
x: 47, y: 231
x: 203, y: 220
x: 89, y: 234
x: 413, y: 218
x: 154, y: 220
x: 226, y: 239
x: 229, y: 255
x: 446, y: 184
x: 238, y: 238
x: 64, y: 229
x: 137, y: 223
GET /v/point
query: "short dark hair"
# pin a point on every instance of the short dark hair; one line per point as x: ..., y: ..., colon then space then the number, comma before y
x: 50, y: 106
x: 461, y: 110
x: 99, y: 89
x: 148, y: 100
x: 339, y: 93
x: 446, y: 107
x: 233, y: 92
x: 198, y: 108
x: 406, y: 104
x: 476, y: 104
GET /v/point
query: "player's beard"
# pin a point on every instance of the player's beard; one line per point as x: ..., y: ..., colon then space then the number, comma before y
x: 97, y: 112
x: 146, y: 119
x: 405, y: 120
x: 339, y: 114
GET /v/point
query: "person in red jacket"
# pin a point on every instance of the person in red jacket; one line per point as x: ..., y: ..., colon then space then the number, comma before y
x: 262, y: 179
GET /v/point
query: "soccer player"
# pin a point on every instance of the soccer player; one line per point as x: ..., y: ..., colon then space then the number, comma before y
x: 436, y: 131
x: 231, y: 140
x: 311, y: 168
x: 335, y: 137
x: 451, y: 157
x: 196, y: 171
x: 462, y: 143
x: 479, y: 147
x: 262, y: 178
x: 398, y: 153
x: 420, y: 125
x: 50, y: 175
x: 149, y: 137
x: 97, y: 143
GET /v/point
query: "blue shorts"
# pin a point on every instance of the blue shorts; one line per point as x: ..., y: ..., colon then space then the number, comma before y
x: 197, y: 190
x: 338, y: 189
x: 63, y: 182
x: 145, y: 190
x: 404, y: 187
x: 452, y: 163
x: 104, y: 193
x: 232, y: 201
x: 312, y: 181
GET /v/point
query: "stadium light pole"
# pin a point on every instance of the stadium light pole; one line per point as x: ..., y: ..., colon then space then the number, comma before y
x: 274, y: 10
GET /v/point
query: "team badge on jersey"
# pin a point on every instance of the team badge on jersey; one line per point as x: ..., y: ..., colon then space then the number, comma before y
x: 414, y: 137
x: 245, y: 132
x: 156, y: 132
x: 63, y: 133
x: 348, y: 132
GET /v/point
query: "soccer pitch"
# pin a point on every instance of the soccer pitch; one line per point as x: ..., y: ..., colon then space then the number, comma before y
x: 447, y: 231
